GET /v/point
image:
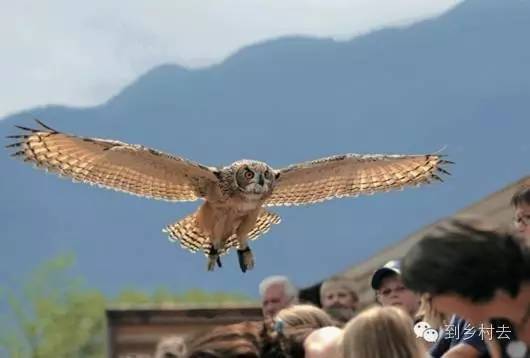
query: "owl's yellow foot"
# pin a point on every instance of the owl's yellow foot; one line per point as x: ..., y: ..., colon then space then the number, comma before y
x: 246, y: 259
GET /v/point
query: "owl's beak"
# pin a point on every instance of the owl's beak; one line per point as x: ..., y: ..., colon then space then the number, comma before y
x: 261, y: 181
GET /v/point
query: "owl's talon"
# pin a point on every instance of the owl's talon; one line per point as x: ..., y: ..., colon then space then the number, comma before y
x: 246, y: 259
x: 211, y: 263
x: 213, y: 258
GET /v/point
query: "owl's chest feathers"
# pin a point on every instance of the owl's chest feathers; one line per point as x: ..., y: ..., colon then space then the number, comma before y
x: 237, y: 206
x: 234, y: 201
x: 243, y: 206
x: 221, y: 216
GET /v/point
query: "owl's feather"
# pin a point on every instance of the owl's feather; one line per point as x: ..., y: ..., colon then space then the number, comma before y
x: 351, y: 175
x: 234, y: 195
x: 191, y: 237
x: 115, y: 165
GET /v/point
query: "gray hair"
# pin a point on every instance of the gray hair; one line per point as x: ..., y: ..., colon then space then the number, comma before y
x: 290, y: 290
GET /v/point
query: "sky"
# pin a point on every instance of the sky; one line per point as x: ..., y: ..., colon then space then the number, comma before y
x: 82, y: 53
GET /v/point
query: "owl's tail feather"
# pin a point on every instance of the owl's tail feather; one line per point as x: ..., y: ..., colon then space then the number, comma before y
x: 265, y: 220
x: 187, y: 233
x: 192, y: 238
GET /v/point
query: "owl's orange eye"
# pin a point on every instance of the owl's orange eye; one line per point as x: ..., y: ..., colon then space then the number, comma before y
x: 249, y: 174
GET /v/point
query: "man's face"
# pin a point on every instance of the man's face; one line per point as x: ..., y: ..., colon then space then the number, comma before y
x: 522, y: 221
x: 339, y: 303
x: 274, y: 300
x: 393, y: 293
x: 339, y: 298
x: 450, y: 303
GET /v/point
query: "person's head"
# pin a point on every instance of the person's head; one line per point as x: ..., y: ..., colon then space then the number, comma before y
x: 521, y: 204
x: 339, y: 299
x: 171, y: 347
x: 241, y: 340
x: 276, y: 292
x: 466, y: 269
x: 391, y: 291
x: 324, y: 343
x: 292, y: 325
x: 303, y: 316
x: 381, y: 332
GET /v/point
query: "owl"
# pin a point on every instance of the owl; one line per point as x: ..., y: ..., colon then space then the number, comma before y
x: 234, y: 197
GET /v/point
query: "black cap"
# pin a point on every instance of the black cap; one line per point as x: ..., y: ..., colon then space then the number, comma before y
x: 391, y: 267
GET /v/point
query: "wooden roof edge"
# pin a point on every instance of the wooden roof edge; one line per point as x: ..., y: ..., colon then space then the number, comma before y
x: 410, y: 239
x: 183, y: 306
x: 369, y: 264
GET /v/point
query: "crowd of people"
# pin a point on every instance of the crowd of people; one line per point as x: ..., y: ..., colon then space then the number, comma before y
x: 463, y: 290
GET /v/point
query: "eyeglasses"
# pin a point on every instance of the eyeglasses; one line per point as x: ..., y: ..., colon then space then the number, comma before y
x: 386, y: 292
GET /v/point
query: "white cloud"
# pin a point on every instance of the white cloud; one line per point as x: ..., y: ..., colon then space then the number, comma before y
x: 81, y: 53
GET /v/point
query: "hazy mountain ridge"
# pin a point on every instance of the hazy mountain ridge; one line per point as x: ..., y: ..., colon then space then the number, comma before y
x: 460, y: 80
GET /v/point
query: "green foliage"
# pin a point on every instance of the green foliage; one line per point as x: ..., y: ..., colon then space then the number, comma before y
x: 57, y: 316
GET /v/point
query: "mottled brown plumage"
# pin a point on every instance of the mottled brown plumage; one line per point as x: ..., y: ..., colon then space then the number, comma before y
x: 234, y: 196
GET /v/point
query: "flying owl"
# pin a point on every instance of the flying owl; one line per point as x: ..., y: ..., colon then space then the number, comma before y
x: 235, y: 196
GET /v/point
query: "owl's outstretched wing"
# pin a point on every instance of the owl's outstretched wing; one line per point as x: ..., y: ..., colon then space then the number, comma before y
x: 115, y: 165
x: 351, y: 175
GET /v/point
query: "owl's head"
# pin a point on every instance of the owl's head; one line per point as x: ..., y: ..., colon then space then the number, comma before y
x: 253, y: 177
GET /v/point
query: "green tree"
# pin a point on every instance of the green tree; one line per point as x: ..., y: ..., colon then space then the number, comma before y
x: 56, y: 316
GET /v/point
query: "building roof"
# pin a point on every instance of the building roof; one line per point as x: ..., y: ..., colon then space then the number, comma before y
x: 495, y: 208
x: 136, y: 330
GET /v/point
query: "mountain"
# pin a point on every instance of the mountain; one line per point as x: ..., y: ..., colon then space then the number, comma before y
x: 459, y: 82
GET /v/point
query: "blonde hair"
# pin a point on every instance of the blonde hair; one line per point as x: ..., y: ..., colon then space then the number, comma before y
x: 299, y: 316
x: 324, y: 342
x: 294, y: 324
x: 338, y: 283
x: 381, y: 332
x: 429, y: 314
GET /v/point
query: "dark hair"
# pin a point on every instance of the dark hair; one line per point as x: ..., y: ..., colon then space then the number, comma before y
x: 469, y: 261
x: 521, y: 196
x: 241, y: 340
